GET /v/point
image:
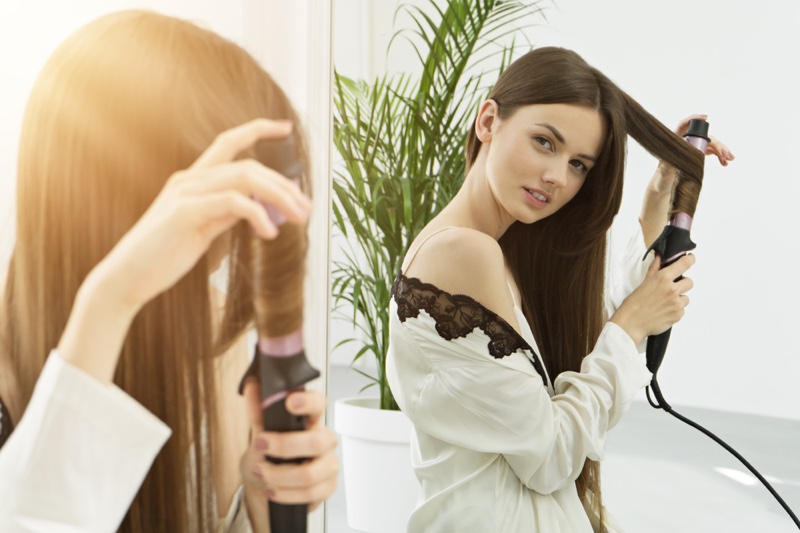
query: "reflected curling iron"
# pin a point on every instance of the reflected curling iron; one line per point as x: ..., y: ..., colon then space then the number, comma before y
x: 281, y: 362
x: 673, y: 243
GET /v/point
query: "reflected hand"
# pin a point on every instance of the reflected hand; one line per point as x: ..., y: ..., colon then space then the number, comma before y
x: 309, y: 482
x: 197, y: 205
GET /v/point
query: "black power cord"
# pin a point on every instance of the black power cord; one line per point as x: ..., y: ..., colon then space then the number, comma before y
x: 662, y: 404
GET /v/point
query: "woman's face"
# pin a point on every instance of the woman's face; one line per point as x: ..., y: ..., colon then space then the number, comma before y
x: 538, y: 157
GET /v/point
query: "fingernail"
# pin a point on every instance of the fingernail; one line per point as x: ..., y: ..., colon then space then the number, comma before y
x: 256, y: 471
x: 262, y: 444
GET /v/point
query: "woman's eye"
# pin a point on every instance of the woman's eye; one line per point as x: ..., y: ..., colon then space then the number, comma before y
x: 542, y: 141
x: 579, y: 165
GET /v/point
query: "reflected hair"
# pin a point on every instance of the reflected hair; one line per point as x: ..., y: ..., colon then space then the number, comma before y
x: 559, y: 262
x: 124, y: 103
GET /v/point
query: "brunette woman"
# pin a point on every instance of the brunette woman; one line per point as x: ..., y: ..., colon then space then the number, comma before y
x: 512, y: 370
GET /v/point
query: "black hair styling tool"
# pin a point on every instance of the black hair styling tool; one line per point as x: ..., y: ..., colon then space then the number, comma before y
x: 673, y: 243
x: 282, y: 363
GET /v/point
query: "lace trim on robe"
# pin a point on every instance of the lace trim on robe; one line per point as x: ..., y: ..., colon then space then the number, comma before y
x: 457, y: 315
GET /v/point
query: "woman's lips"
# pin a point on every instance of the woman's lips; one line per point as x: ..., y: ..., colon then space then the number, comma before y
x: 536, y: 197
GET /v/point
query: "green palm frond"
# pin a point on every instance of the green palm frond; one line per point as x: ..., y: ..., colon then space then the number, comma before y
x: 401, y: 139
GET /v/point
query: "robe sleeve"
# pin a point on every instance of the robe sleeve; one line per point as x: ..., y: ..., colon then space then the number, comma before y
x: 78, y: 455
x: 626, y: 273
x: 456, y: 392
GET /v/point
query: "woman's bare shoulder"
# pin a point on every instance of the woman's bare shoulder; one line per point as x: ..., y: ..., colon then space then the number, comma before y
x: 464, y: 261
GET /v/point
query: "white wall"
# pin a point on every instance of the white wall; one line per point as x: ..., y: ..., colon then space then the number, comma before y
x: 736, y: 61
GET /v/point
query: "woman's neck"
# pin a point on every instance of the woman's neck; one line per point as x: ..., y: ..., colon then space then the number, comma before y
x: 475, y: 205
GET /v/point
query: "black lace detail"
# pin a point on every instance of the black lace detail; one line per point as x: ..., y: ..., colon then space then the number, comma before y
x: 456, y: 315
x: 5, y: 424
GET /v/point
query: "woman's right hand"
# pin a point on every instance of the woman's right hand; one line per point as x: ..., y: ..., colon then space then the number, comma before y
x: 658, y: 303
x: 198, y: 204
x: 195, y: 206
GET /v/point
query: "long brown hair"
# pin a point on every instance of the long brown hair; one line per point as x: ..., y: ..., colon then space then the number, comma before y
x: 124, y: 103
x: 559, y: 262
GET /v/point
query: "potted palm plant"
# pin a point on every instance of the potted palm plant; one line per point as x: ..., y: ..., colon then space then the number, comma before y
x: 401, y: 141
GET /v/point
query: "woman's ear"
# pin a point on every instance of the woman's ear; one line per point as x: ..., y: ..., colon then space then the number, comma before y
x: 486, y: 123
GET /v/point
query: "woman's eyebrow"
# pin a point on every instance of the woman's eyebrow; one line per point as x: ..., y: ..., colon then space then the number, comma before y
x: 557, y: 134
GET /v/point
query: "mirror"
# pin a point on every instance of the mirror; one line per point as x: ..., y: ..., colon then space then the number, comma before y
x: 291, y: 40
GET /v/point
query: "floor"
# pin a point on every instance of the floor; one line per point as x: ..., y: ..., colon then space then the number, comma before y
x: 661, y: 475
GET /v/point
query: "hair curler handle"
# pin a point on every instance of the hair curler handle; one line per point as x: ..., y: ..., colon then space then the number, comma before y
x: 279, y: 375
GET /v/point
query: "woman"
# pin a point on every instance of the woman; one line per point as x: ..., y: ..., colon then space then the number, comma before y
x: 144, y: 117
x: 490, y: 362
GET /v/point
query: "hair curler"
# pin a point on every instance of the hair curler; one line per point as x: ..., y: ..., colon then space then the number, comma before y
x: 673, y: 243
x: 279, y: 353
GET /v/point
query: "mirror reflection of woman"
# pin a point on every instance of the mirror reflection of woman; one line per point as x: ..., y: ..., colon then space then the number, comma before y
x: 507, y: 351
x: 138, y: 174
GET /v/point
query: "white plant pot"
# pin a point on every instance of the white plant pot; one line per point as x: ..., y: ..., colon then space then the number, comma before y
x: 379, y: 483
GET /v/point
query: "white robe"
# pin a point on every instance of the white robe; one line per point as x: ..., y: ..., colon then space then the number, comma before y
x: 77, y: 457
x: 496, y: 448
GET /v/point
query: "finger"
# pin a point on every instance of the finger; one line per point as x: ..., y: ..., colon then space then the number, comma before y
x: 228, y: 144
x: 684, y: 285
x: 655, y: 266
x: 251, y: 178
x: 292, y: 444
x: 719, y: 149
x: 300, y: 476
x: 221, y: 210
x: 254, y: 477
x: 309, y: 403
x: 679, y: 267
x: 683, y: 125
x: 299, y: 496
x: 684, y: 300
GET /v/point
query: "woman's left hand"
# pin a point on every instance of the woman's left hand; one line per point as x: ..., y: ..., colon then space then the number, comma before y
x: 309, y: 482
x: 666, y: 175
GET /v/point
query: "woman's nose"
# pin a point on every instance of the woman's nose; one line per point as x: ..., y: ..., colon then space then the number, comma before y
x: 555, y: 176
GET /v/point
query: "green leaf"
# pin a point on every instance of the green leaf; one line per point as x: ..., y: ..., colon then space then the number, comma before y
x: 401, y: 141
